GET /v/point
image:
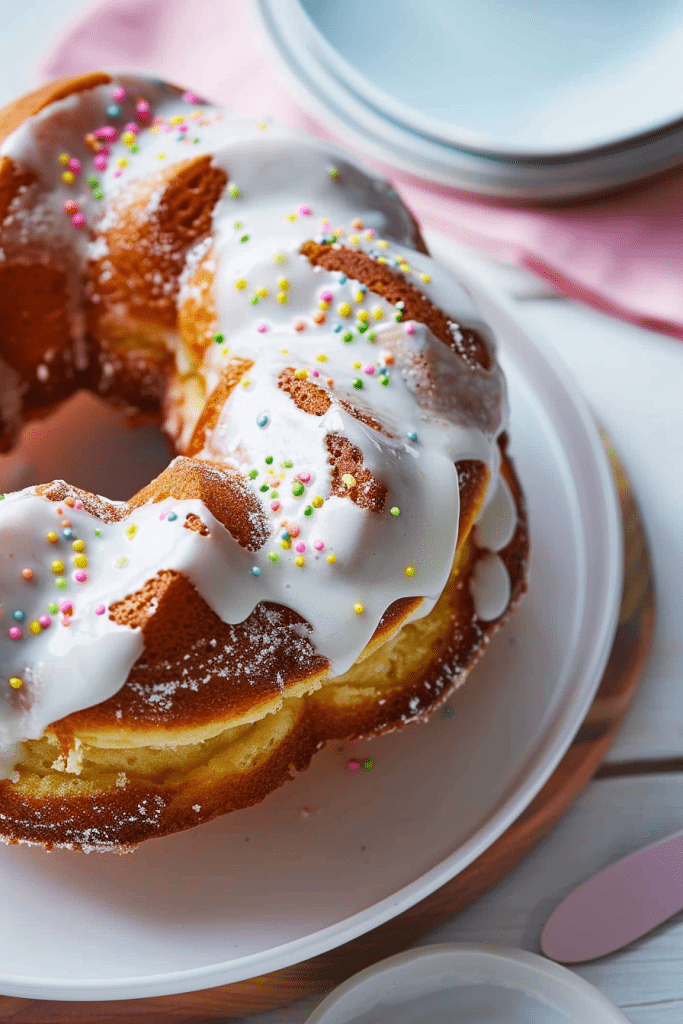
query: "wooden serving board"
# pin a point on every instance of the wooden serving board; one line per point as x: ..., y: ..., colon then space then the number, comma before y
x: 322, y: 972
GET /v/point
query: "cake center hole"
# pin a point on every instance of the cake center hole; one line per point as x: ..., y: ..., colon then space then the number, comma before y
x: 90, y: 445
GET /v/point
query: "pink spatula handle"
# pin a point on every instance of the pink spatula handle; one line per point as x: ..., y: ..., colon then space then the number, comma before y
x: 618, y: 905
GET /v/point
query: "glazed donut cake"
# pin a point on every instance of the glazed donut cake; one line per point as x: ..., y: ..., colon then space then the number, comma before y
x: 341, y: 529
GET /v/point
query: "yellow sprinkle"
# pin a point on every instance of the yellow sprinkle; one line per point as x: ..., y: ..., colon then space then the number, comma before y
x: 196, y: 114
x: 262, y: 293
x: 301, y: 374
x: 382, y: 259
x: 290, y: 216
x: 409, y: 570
x: 178, y: 119
x: 63, y: 159
x: 261, y: 125
x: 285, y: 544
x: 299, y: 560
x: 359, y: 608
x: 363, y: 315
x: 344, y: 309
x: 57, y: 567
x: 285, y: 351
x: 349, y: 480
x: 78, y: 545
x: 16, y: 683
x: 359, y: 296
x: 377, y: 313
x: 282, y: 298
x: 35, y: 627
x: 317, y: 502
x: 381, y: 244
x: 155, y: 131
x: 128, y: 138
x: 52, y: 537
x: 324, y: 305
x: 356, y: 366
x: 123, y: 162
x: 81, y: 562
x: 354, y: 239
x: 68, y: 177
x: 283, y: 283
x: 331, y: 559
x: 246, y: 382
x: 280, y: 259
x: 241, y: 284
x: 406, y: 268
x: 161, y: 156
x: 131, y: 531
x: 322, y: 358
x: 425, y: 277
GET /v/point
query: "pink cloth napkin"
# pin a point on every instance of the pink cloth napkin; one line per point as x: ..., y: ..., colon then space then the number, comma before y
x: 621, y: 254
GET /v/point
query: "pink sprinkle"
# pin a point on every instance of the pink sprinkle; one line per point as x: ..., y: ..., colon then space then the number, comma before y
x: 81, y: 576
x: 300, y: 548
x: 119, y: 93
x: 326, y: 296
x: 107, y: 131
x: 118, y: 173
x: 315, y: 373
x: 305, y: 211
x: 163, y: 515
x: 75, y: 165
x: 66, y: 608
x: 353, y: 765
x: 45, y: 621
x: 369, y: 370
x: 78, y: 504
x: 275, y: 506
x: 70, y: 206
x: 78, y: 220
x: 304, y: 476
x: 262, y: 328
x: 370, y: 233
x: 132, y: 127
x: 318, y: 545
x: 183, y: 127
x: 191, y: 97
x: 355, y: 741
x: 15, y: 633
x: 100, y: 610
x: 410, y: 327
x: 100, y: 161
x: 143, y: 111
x: 67, y: 620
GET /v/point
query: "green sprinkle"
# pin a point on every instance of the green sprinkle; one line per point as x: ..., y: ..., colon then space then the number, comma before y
x: 263, y: 488
x: 269, y: 460
x: 53, y: 608
x: 358, y: 383
x: 372, y: 335
x: 333, y: 172
x: 94, y: 182
x: 274, y: 557
x: 298, y: 489
x: 61, y: 583
x: 237, y: 225
x: 219, y: 337
x: 368, y: 763
x: 254, y: 300
x: 398, y: 316
x: 234, y: 191
x: 287, y: 464
x: 244, y: 238
x: 395, y: 511
x: 273, y: 494
x: 98, y: 194
x: 308, y: 511
x: 383, y: 379
x: 362, y: 328
x: 98, y: 533
x: 253, y: 474
x: 347, y: 336
x: 135, y: 148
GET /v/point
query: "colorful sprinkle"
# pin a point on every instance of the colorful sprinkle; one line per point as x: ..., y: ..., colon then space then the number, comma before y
x: 131, y: 531
x: 273, y: 557
x: 409, y: 570
x: 57, y: 566
x: 53, y: 608
x: 262, y: 420
x: 344, y: 309
x: 368, y: 763
x: 359, y: 608
x: 45, y: 621
x: 349, y: 480
x: 234, y: 191
x: 66, y: 608
x: 18, y: 615
x: 255, y: 571
x: 27, y: 573
x: 81, y: 576
x: 412, y: 435
x: 317, y: 502
x: 61, y: 583
x: 358, y: 383
x: 318, y: 545
x: 78, y: 545
x: 15, y: 633
x: 331, y: 558
x: 300, y: 560
x: 298, y: 489
x: 172, y: 516
x: 52, y: 537
x: 15, y: 682
x: 81, y: 562
x: 35, y: 628
x: 395, y: 511
x: 353, y: 765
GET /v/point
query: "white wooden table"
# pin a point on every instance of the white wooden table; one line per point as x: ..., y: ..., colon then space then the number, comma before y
x: 633, y: 380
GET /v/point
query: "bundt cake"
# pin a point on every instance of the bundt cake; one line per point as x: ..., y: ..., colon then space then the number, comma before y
x: 340, y: 531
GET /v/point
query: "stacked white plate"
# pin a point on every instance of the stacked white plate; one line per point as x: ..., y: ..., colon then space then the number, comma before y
x: 533, y: 100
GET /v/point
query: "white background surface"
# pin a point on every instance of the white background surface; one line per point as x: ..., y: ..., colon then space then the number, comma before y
x: 633, y: 380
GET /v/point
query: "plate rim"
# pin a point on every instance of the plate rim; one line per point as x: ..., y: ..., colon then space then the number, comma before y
x: 546, y: 755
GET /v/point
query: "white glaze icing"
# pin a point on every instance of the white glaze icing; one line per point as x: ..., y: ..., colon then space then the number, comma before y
x: 434, y: 409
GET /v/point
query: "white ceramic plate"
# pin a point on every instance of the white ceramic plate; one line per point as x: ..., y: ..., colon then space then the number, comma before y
x: 557, y: 147
x: 334, y: 854
x: 470, y: 984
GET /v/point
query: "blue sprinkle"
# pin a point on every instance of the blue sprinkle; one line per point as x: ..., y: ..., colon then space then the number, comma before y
x: 262, y: 421
x: 113, y: 110
x: 337, y: 328
x: 18, y: 616
x: 171, y: 517
x: 179, y: 138
x: 342, y: 279
x: 411, y: 435
x: 68, y: 532
x: 284, y: 535
x: 256, y: 571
